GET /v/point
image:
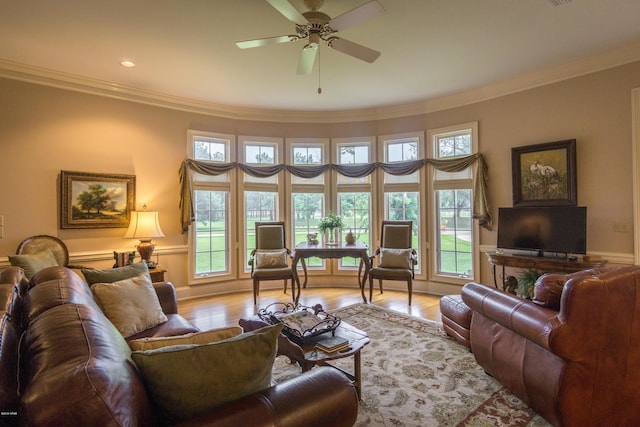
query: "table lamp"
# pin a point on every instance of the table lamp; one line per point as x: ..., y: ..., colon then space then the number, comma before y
x: 144, y: 226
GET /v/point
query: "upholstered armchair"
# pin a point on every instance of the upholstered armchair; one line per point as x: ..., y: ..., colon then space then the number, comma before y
x: 395, y: 257
x: 271, y: 259
x: 572, y: 353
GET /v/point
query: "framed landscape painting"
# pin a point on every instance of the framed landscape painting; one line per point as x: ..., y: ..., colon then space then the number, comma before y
x: 95, y: 200
x: 544, y: 174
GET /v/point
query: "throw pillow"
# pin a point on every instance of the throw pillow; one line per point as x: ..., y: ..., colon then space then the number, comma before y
x: 204, y: 337
x: 132, y: 305
x: 110, y: 275
x: 188, y: 380
x: 271, y: 259
x: 395, y: 258
x: 34, y: 262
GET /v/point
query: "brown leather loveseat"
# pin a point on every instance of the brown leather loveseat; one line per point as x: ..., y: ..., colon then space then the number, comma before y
x: 573, y: 353
x: 63, y: 363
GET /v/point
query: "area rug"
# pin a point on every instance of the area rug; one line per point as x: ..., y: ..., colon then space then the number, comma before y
x: 413, y: 374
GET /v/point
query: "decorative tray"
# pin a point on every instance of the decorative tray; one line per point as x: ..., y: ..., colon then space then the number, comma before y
x: 300, y: 322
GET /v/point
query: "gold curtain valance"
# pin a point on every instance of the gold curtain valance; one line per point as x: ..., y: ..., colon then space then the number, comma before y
x: 480, y: 202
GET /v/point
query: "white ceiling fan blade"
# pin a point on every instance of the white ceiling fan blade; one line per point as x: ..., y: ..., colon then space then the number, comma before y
x: 289, y: 12
x: 262, y: 42
x: 307, y: 59
x: 360, y: 14
x: 353, y: 49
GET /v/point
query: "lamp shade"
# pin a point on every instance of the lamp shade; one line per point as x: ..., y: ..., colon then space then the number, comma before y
x: 144, y: 225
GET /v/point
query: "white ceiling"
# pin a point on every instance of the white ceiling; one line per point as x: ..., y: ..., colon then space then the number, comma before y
x: 430, y: 48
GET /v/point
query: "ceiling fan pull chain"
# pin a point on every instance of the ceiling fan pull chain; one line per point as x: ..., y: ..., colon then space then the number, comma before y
x: 319, y: 86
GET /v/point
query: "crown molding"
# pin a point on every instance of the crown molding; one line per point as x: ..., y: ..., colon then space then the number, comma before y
x: 609, y: 59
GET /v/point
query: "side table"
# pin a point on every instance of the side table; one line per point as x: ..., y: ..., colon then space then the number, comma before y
x: 340, y: 250
x: 555, y: 265
x: 157, y: 274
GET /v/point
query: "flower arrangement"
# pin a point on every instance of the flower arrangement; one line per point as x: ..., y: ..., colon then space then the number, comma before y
x: 330, y: 222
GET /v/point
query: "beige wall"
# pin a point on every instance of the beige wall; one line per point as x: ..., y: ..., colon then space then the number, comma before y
x: 44, y: 130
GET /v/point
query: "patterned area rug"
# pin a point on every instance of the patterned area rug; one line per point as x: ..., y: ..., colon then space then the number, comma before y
x: 413, y: 374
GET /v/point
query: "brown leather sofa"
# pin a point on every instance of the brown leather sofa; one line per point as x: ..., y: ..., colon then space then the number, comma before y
x: 63, y: 363
x: 573, y: 353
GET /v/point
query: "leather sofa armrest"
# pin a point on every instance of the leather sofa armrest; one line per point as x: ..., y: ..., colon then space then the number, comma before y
x: 320, y: 397
x: 525, y: 318
x: 167, y: 295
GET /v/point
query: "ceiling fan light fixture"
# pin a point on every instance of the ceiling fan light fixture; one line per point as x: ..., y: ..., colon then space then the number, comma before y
x: 314, y: 40
x: 315, y: 26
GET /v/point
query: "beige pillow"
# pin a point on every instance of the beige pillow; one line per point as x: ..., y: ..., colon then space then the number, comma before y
x: 204, y: 337
x: 188, y: 380
x: 271, y: 259
x: 34, y: 262
x: 132, y: 305
x: 395, y: 258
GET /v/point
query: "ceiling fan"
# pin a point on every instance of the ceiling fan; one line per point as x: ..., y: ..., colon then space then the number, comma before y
x: 315, y: 25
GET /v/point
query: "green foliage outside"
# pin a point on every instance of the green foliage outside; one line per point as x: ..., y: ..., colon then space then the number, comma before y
x: 455, y: 254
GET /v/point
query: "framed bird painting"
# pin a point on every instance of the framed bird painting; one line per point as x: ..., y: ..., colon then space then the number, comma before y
x: 544, y: 174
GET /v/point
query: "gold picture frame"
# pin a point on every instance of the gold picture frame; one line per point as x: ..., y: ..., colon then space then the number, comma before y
x: 96, y: 200
x: 545, y: 174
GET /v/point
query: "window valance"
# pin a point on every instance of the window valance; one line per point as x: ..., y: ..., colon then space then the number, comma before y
x: 480, y: 202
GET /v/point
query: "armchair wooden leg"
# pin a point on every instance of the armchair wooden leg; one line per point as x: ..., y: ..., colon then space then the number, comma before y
x: 370, y: 289
x: 410, y: 286
x: 380, y: 285
x: 256, y: 287
x: 285, y: 286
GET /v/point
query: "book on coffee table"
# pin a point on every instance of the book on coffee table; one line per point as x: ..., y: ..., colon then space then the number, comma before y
x: 332, y: 344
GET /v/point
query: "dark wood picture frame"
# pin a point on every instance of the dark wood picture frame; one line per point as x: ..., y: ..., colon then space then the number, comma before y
x: 545, y: 174
x: 96, y: 200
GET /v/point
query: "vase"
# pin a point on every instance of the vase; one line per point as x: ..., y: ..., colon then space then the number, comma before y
x: 330, y: 237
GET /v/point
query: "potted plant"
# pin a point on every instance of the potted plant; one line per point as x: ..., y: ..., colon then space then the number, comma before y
x: 526, y: 281
x: 329, y: 225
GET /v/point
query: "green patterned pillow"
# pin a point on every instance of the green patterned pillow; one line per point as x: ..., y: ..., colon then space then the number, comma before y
x: 188, y: 380
x: 34, y: 262
x: 110, y: 275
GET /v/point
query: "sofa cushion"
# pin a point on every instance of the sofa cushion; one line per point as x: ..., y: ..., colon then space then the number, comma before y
x: 34, y: 262
x: 395, y: 258
x: 174, y: 326
x: 69, y: 288
x: 76, y: 362
x: 110, y: 275
x: 10, y: 333
x: 132, y: 304
x: 271, y: 259
x: 208, y: 375
x: 204, y: 337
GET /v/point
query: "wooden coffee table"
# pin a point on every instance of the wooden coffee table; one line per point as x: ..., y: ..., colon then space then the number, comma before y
x: 307, y: 356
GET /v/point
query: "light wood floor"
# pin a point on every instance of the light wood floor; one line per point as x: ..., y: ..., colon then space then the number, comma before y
x: 225, y: 310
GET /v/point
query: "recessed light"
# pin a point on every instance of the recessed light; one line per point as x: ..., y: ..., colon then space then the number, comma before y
x: 127, y: 63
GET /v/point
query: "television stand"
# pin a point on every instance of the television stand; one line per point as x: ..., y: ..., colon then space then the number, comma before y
x: 548, y: 265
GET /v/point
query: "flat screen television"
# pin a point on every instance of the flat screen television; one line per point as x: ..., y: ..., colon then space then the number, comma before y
x: 554, y: 229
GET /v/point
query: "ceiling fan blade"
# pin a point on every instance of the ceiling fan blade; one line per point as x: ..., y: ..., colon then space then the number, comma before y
x: 269, y: 40
x: 289, y: 12
x: 360, y: 14
x: 307, y: 59
x: 353, y: 49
